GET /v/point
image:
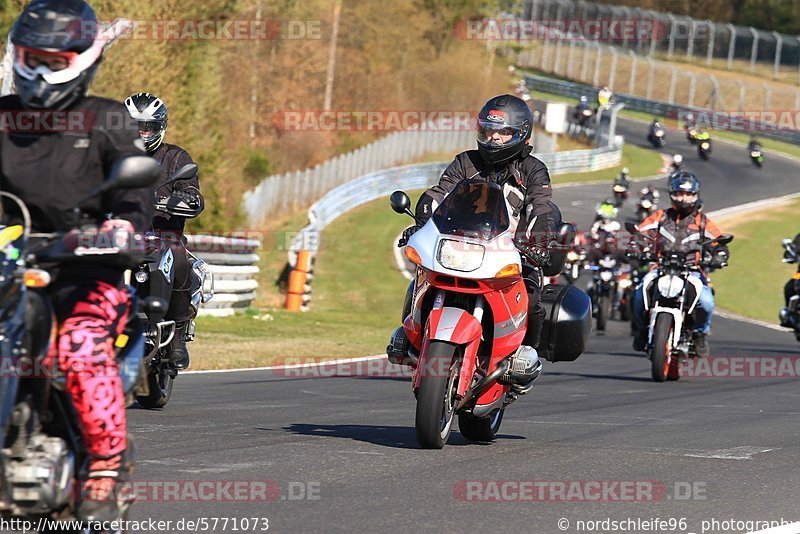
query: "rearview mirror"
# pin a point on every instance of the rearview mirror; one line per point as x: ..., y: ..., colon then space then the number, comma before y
x: 131, y: 173
x: 400, y: 202
x: 187, y: 171
x: 630, y: 227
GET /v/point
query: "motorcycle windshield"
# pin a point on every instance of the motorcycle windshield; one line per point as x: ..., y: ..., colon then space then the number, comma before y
x: 475, y: 208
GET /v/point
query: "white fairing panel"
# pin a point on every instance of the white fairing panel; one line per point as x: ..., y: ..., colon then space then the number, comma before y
x: 499, y: 252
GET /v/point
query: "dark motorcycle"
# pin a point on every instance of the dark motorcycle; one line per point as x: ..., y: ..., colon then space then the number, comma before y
x: 790, y: 315
x: 621, y: 193
x: 603, y: 289
x: 155, y: 277
x: 647, y: 205
x: 656, y: 136
x: 43, y: 456
x: 704, y: 148
x: 583, y: 115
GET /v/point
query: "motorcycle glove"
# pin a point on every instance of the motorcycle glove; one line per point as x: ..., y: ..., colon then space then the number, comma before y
x: 407, y: 233
x: 188, y: 197
x: 536, y: 255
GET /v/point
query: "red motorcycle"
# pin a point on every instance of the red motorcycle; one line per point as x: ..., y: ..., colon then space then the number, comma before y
x: 469, y: 313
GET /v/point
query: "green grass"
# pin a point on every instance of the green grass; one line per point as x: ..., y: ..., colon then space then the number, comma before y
x: 640, y: 162
x: 752, y: 285
x: 357, y: 299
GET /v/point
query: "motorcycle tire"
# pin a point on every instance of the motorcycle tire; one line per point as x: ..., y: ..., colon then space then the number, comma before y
x: 603, y: 312
x: 436, y: 396
x: 159, y: 384
x: 661, y: 349
x: 480, y: 428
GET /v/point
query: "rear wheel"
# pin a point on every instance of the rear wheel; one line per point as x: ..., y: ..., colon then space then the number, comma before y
x: 661, y: 350
x: 436, y: 395
x: 480, y: 428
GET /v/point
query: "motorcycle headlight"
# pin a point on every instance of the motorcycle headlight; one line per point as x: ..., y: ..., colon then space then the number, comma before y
x: 704, y: 146
x: 625, y: 283
x: 659, y: 133
x: 587, y: 112
x: 572, y: 256
x: 754, y: 154
x: 606, y: 276
x: 670, y: 286
x: 619, y: 188
x: 646, y: 204
x: 460, y: 256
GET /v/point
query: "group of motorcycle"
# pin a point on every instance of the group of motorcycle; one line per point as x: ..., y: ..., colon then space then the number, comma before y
x: 43, y: 453
x: 701, y: 138
x: 619, y: 262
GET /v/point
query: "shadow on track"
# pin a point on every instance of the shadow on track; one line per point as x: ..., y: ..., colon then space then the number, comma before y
x: 398, y: 437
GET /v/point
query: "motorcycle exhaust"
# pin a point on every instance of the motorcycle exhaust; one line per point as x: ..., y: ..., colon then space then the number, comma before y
x: 483, y: 383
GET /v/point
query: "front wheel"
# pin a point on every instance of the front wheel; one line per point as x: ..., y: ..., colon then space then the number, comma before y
x: 436, y: 401
x: 480, y: 428
x: 662, y: 347
x: 603, y: 311
x: 159, y: 384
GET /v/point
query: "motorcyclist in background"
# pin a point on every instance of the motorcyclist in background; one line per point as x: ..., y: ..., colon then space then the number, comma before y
x: 58, y: 48
x: 151, y: 114
x: 504, y: 129
x: 677, y: 229
x: 622, y: 186
x: 677, y: 163
x: 604, y: 97
x: 792, y: 287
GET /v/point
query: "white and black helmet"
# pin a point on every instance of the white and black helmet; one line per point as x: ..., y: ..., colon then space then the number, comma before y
x: 151, y: 113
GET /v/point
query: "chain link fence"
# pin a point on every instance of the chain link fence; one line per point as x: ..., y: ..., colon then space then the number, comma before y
x: 707, y: 42
x: 645, y: 64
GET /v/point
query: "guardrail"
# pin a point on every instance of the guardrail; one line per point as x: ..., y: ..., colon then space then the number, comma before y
x: 410, y: 177
x: 654, y: 107
x: 234, y: 263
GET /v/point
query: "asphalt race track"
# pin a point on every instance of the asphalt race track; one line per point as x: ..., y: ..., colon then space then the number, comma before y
x: 343, y: 455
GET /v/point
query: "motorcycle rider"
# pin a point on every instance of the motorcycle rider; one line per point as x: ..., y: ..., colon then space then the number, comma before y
x: 703, y: 135
x: 604, y: 97
x: 676, y: 228
x: 583, y: 105
x: 792, y: 287
x: 504, y: 129
x: 651, y: 195
x: 677, y: 164
x: 622, y: 180
x: 58, y: 47
x: 151, y: 113
x: 655, y: 125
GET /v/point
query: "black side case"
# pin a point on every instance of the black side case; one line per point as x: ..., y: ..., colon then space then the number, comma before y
x: 567, y: 324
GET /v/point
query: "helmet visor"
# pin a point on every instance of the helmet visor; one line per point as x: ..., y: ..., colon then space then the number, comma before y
x: 55, y: 67
x: 150, y: 128
x: 497, y: 134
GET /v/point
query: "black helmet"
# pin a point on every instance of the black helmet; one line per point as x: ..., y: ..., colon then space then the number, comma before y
x: 151, y: 112
x: 56, y: 52
x: 684, y: 182
x: 504, y: 112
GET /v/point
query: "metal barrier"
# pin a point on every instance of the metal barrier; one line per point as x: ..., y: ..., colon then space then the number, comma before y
x: 410, y: 177
x: 234, y: 263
